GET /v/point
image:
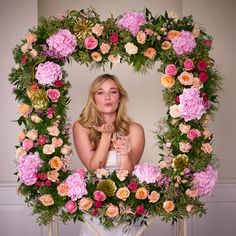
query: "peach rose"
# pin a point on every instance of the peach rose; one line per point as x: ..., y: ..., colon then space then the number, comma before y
x: 173, y: 34
x: 55, y: 163
x: 97, y: 29
x: 185, y: 147
x: 150, y: 53
x: 85, y: 203
x: 25, y: 47
x: 52, y: 175
x: 112, y: 211
x: 122, y: 174
x: 186, y: 78
x: 206, y: 133
x: 46, y: 200
x: 101, y: 172
x: 154, y: 196
x: 57, y: 142
x: 24, y: 109
x: 31, y: 38
x: 197, y: 83
x: 141, y: 193
x: 167, y: 81
x: 174, y: 111
x: 168, y: 206
x: 20, y: 152
x: 48, y: 149
x: 32, y: 134
x: 207, y: 148
x: 21, y: 135
x: 123, y: 193
x: 166, y: 45
x: 33, y: 53
x: 62, y: 189
x: 191, y: 193
x: 141, y: 37
x: 96, y: 56
x: 114, y: 59
x: 105, y: 48
x: 184, y: 128
x: 53, y: 130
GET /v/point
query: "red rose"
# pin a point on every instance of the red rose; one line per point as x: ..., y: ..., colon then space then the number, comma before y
x: 202, y: 65
x: 203, y: 77
x: 132, y: 186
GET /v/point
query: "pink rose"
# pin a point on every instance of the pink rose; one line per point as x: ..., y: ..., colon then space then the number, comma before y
x: 32, y: 134
x: 99, y: 196
x: 202, y: 65
x: 203, y: 77
x: 31, y: 38
x: 189, y: 208
x: 27, y: 144
x: 53, y: 94
x: 57, y: 142
x: 184, y: 128
x: 193, y: 133
x: 184, y: 147
x: 188, y: 64
x: 42, y: 140
x: 90, y: 42
x: 114, y: 38
x: 171, y: 70
x: 97, y: 29
x: 71, y: 206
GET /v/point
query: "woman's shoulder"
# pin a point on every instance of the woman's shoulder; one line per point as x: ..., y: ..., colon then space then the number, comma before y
x: 135, y: 127
x: 78, y: 127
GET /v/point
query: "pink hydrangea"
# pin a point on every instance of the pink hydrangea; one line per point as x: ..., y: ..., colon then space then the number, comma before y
x: 147, y: 173
x: 132, y: 21
x: 191, y: 104
x: 76, y: 186
x: 61, y: 44
x: 27, y: 168
x: 204, y: 181
x: 185, y: 43
x: 47, y: 73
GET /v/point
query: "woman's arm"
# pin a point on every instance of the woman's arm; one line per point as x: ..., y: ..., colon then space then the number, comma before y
x: 92, y: 159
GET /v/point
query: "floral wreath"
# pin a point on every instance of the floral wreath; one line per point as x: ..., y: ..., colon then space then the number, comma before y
x: 187, y: 168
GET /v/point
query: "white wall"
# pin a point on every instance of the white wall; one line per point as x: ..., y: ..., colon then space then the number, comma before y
x: 16, y: 17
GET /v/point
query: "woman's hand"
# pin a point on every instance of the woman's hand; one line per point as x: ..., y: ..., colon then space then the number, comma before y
x: 105, y: 128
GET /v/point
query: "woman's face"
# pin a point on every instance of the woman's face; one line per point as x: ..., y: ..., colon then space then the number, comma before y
x: 107, y: 97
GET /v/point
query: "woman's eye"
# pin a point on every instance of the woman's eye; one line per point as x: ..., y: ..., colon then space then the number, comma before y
x: 100, y: 93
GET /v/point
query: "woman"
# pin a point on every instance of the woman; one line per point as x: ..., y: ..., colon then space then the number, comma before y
x: 103, y: 117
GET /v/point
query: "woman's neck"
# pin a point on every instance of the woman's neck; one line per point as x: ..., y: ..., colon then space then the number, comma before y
x: 109, y: 118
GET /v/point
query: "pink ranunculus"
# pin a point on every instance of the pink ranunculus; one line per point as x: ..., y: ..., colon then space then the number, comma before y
x: 201, y: 65
x: 90, y: 42
x: 99, y: 196
x: 71, y: 206
x: 114, y: 38
x: 193, y: 133
x: 53, y: 94
x: 27, y: 144
x: 203, y: 77
x: 171, y: 70
x: 189, y: 64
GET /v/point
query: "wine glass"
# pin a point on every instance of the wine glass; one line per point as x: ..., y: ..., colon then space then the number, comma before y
x: 116, y: 140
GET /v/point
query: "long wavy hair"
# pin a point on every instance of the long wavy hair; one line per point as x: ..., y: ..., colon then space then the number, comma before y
x: 90, y: 115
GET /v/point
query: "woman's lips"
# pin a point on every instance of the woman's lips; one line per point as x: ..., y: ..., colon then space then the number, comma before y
x: 108, y: 104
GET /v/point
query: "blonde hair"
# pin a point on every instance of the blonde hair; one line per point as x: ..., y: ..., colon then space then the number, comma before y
x: 90, y: 115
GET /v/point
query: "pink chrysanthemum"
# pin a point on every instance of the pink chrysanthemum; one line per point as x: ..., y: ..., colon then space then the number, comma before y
x: 147, y: 173
x: 132, y: 21
x: 185, y: 43
x: 191, y: 104
x: 76, y: 186
x: 27, y: 168
x: 204, y: 181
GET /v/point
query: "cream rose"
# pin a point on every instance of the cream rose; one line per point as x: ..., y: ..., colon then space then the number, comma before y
x: 174, y: 111
x: 131, y: 49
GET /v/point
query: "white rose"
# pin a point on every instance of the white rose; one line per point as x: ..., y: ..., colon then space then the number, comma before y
x: 131, y: 49
x: 174, y: 111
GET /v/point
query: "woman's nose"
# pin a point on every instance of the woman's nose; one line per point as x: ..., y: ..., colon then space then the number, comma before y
x: 107, y: 96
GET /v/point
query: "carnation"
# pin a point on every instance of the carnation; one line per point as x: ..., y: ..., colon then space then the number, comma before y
x: 147, y: 173
x: 132, y: 21
x: 191, y: 104
x: 185, y: 43
x: 47, y: 73
x: 61, y: 44
x: 204, y: 181
x: 28, y: 167
x: 76, y: 186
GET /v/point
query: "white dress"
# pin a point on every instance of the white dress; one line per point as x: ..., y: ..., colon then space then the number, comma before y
x: 93, y: 227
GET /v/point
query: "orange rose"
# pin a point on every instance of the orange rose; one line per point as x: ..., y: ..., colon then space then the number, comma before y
x: 85, y: 203
x: 52, y: 175
x: 154, y: 196
x: 166, y: 45
x: 62, y: 189
x: 173, y: 34
x: 141, y: 193
x: 150, y: 53
x: 96, y: 56
x: 21, y: 135
x: 24, y: 109
x: 123, y: 193
x: 55, y: 163
x: 46, y: 200
x: 191, y: 193
x: 186, y: 78
x: 168, y: 206
x: 197, y: 83
x: 112, y: 211
x: 167, y: 81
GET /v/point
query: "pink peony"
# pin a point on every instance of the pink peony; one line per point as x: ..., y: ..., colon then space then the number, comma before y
x: 71, y: 206
x: 90, y: 42
x: 53, y: 94
x: 47, y: 73
x: 27, y: 168
x: 171, y: 70
x: 99, y: 196
x: 61, y: 44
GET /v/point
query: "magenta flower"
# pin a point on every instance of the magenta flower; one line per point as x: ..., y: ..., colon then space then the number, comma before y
x: 203, y: 77
x: 185, y: 43
x: 201, y: 65
x: 204, y: 181
x: 90, y: 42
x: 132, y: 21
x: 47, y: 73
x: 147, y: 173
x: 61, y: 44
x: 114, y: 38
x: 191, y: 104
x: 27, y: 168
